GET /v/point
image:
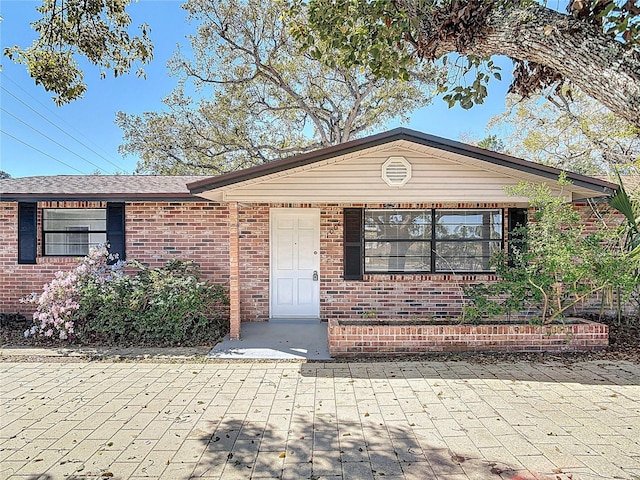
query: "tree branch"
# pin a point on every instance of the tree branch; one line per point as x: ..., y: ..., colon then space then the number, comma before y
x: 600, y: 65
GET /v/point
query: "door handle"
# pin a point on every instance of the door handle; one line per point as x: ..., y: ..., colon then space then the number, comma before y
x: 315, y: 275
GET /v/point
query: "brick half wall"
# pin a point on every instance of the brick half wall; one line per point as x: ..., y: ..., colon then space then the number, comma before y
x: 350, y: 340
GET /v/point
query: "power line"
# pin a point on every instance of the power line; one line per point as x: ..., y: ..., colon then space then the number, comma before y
x: 58, y: 127
x: 54, y: 141
x: 119, y: 167
x: 43, y: 153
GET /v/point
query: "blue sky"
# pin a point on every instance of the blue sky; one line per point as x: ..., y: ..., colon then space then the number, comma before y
x: 39, y: 138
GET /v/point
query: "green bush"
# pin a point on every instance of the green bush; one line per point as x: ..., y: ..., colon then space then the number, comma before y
x: 557, y: 265
x: 490, y: 301
x: 156, y: 306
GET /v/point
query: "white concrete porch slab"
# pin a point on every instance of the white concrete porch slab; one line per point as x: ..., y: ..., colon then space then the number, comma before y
x: 295, y: 339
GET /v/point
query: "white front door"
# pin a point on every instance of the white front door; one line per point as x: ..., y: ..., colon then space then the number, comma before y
x: 295, y: 263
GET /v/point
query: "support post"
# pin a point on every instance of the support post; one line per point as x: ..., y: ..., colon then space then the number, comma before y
x: 234, y: 272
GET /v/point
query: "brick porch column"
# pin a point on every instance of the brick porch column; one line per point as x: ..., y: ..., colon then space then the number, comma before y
x: 234, y: 272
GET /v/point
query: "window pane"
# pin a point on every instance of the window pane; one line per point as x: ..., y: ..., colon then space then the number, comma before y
x: 416, y: 264
x: 398, y: 248
x: 465, y: 256
x: 397, y: 224
x: 62, y: 218
x: 376, y: 264
x: 469, y: 224
x: 397, y: 256
x: 397, y: 264
x: 73, y: 243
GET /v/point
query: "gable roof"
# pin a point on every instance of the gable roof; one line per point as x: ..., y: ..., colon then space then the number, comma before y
x: 184, y: 187
x: 97, y: 187
x: 600, y: 186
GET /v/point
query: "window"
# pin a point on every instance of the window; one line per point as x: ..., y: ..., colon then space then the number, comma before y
x: 420, y: 241
x: 69, y: 231
x: 465, y: 240
x: 397, y: 241
x: 73, y: 231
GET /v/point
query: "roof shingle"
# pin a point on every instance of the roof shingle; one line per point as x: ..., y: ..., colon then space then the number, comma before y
x: 97, y: 187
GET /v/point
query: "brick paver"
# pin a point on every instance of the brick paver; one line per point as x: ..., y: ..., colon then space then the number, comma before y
x: 393, y: 420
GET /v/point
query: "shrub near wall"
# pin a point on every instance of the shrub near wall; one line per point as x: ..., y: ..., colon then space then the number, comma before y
x: 169, y: 305
x: 156, y: 231
x: 97, y: 302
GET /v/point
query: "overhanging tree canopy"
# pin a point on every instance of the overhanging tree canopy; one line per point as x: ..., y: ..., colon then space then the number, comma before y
x: 595, y: 45
x: 97, y: 30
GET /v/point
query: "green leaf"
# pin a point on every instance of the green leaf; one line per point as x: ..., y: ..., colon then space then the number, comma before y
x: 622, y: 203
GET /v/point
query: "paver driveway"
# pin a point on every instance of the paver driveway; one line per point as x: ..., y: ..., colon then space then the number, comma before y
x: 452, y: 420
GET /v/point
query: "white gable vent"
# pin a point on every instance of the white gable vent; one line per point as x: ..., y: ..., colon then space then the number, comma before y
x: 396, y: 171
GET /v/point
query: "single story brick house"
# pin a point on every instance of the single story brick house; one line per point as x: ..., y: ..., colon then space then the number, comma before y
x: 387, y: 227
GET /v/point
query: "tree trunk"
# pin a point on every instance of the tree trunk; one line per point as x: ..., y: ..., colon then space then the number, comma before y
x: 602, y: 67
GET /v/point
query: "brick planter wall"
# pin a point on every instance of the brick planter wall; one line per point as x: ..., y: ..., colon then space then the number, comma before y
x: 360, y: 339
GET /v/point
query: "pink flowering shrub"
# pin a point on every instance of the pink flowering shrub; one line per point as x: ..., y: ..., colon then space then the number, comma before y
x: 96, y: 301
x: 58, y: 306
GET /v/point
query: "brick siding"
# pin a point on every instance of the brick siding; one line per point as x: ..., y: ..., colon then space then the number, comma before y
x: 158, y: 231
x: 155, y: 232
x: 388, y: 296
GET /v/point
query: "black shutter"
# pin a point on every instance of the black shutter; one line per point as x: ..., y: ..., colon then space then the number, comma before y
x: 353, y: 244
x: 115, y: 229
x: 27, y: 232
x: 517, y: 219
